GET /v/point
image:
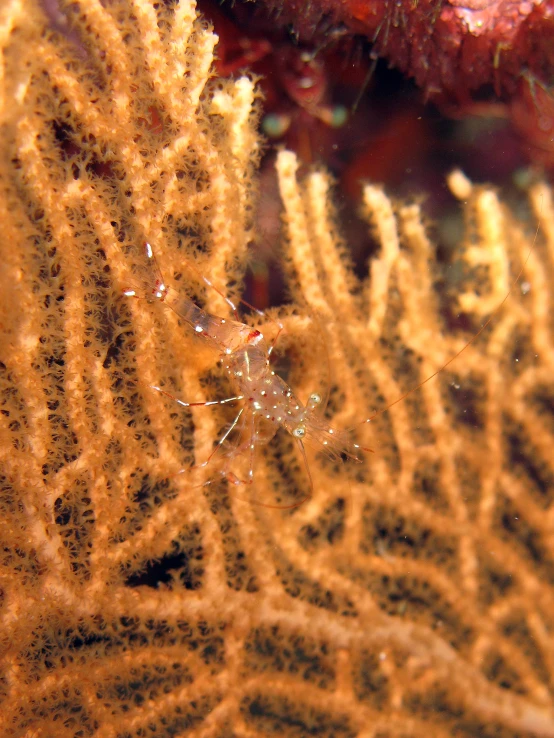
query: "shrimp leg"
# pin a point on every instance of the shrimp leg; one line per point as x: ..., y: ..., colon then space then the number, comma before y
x: 207, y: 403
x: 220, y: 443
x: 250, y: 444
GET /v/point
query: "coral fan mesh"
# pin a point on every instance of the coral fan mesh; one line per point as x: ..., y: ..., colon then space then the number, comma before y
x: 413, y: 593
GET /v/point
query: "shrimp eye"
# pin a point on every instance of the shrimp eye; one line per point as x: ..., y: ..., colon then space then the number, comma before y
x: 299, y: 431
x: 315, y: 398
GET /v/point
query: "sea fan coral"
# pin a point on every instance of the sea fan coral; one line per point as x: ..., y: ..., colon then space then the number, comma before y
x: 412, y: 594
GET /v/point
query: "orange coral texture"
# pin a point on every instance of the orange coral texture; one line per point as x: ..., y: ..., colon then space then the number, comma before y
x: 413, y: 595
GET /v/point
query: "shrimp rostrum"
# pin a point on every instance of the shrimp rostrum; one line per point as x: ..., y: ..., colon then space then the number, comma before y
x: 266, y: 402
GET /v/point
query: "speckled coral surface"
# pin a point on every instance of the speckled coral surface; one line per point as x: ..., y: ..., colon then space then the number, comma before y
x: 413, y: 594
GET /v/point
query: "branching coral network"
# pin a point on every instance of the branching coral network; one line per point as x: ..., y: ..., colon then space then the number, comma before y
x: 413, y: 594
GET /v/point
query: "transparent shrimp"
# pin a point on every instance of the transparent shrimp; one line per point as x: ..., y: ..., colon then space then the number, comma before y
x: 267, y: 402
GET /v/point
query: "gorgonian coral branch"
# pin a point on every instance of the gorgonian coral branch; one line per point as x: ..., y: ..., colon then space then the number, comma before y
x: 412, y: 593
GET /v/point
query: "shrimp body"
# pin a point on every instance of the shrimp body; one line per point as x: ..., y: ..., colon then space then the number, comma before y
x: 268, y: 402
x: 226, y: 336
x: 267, y: 395
x: 270, y: 398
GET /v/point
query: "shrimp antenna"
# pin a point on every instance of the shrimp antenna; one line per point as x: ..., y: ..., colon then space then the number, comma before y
x: 293, y: 505
x: 365, y: 85
x: 469, y: 343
